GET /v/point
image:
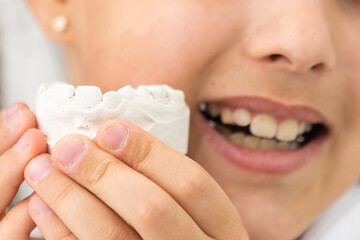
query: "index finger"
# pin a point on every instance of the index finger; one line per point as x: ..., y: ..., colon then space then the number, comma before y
x: 184, y: 179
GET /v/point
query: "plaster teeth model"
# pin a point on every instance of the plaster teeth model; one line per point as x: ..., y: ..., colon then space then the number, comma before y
x: 62, y: 109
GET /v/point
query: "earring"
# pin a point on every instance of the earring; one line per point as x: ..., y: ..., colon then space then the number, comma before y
x: 60, y: 23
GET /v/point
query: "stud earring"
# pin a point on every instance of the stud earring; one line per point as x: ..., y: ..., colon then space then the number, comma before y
x: 60, y: 23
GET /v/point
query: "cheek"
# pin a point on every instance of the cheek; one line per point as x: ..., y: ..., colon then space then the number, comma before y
x: 170, y: 44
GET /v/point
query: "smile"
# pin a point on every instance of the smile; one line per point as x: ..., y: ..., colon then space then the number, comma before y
x: 262, y: 135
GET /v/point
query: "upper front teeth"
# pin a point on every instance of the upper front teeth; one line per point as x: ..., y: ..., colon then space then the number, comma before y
x: 261, y: 125
x: 288, y: 130
x: 227, y: 116
x: 242, y: 117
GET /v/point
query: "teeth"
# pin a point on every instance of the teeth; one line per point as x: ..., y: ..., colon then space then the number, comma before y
x: 227, y: 116
x: 87, y: 97
x: 255, y: 143
x: 202, y: 107
x: 143, y: 93
x: 213, y: 110
x: 112, y: 100
x: 223, y: 130
x: 294, y: 146
x: 308, y: 127
x: 300, y: 139
x: 302, y: 127
x: 242, y: 117
x: 252, y: 142
x: 288, y: 130
x: 268, y: 145
x: 63, y: 95
x: 162, y: 95
x: 283, y: 146
x: 212, y: 123
x: 263, y: 125
x: 127, y: 92
x: 237, y: 138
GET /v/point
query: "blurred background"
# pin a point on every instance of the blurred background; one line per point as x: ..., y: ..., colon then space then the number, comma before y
x: 27, y: 57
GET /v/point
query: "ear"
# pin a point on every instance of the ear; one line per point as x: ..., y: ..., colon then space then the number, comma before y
x: 46, y: 11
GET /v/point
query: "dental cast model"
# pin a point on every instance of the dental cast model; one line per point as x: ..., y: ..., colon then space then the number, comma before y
x: 61, y: 110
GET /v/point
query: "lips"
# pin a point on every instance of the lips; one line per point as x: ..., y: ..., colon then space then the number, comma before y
x: 289, y: 136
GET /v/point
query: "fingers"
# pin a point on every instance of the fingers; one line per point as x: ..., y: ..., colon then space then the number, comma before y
x: 49, y: 224
x: 139, y: 201
x: 17, y: 223
x: 83, y: 213
x: 13, y: 162
x: 185, y: 180
x: 15, y: 120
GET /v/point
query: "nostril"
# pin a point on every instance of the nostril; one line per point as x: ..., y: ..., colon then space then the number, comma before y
x: 274, y: 57
x: 278, y: 58
x: 293, y: 63
x: 317, y: 67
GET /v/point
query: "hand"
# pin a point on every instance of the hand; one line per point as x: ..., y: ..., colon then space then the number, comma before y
x: 127, y: 186
x: 18, y: 145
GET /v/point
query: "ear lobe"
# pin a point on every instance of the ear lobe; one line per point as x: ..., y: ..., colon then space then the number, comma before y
x: 45, y: 12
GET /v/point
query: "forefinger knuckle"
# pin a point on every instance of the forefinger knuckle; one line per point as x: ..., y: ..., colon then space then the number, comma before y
x: 194, y: 183
x: 64, y: 193
x: 141, y: 152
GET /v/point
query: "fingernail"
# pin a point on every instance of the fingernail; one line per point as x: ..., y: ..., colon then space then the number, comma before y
x: 12, y: 117
x: 41, y: 207
x: 22, y: 144
x: 39, y: 167
x: 71, y: 153
x: 116, y: 136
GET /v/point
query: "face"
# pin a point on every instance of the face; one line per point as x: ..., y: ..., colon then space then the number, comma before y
x: 286, y: 65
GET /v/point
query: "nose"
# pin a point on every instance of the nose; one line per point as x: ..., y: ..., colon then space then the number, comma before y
x: 294, y: 37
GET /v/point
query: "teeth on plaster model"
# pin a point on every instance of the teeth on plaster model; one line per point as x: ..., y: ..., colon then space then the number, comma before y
x: 112, y: 100
x: 82, y: 99
x: 143, y: 93
x: 127, y: 92
x: 159, y: 109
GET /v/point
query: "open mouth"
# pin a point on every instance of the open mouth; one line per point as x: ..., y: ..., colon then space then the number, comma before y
x: 262, y: 135
x: 261, y: 131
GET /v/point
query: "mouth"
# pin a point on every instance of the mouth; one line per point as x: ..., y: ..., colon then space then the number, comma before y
x: 264, y: 136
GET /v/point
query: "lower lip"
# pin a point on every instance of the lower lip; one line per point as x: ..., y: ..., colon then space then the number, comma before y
x: 270, y: 162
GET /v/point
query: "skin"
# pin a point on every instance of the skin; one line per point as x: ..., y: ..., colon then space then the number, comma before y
x: 13, y: 160
x: 191, y: 46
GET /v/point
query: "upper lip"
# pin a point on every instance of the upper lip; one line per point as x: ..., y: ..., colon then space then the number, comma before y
x: 277, y: 109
